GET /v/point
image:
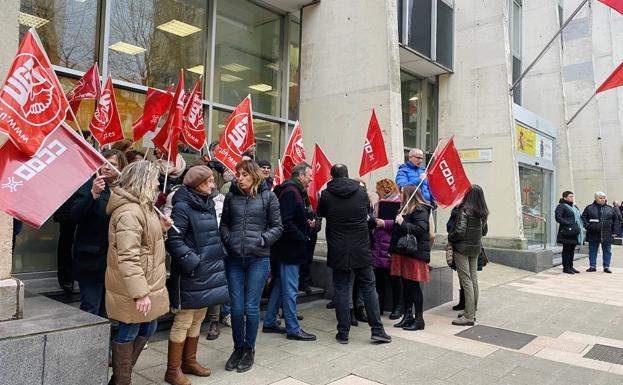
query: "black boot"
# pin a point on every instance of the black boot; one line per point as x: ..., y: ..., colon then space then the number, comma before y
x: 353, y: 318
x: 247, y: 359
x: 417, y: 323
x: 461, y: 304
x: 398, y: 299
x: 406, y: 318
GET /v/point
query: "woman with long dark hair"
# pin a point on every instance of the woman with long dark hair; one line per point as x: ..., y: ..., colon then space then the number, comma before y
x: 470, y: 226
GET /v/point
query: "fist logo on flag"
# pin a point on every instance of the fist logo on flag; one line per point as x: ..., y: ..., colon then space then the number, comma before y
x: 103, y: 112
x: 31, y: 92
x: 236, y: 137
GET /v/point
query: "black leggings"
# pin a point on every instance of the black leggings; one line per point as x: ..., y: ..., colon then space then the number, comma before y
x: 413, y: 295
x: 568, y: 250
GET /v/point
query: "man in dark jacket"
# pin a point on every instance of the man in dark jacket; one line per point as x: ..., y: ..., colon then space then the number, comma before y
x: 288, y: 253
x: 344, y: 205
x: 601, y: 224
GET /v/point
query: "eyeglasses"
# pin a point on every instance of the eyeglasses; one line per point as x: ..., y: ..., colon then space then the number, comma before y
x: 416, y: 157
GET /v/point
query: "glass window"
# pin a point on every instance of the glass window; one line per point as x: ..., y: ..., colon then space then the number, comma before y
x: 67, y: 29
x: 516, y: 74
x: 516, y: 31
x: 411, y: 102
x: 150, y: 40
x: 445, y: 33
x: 293, y: 94
x: 130, y: 106
x: 430, y: 118
x: 420, y: 26
x: 35, y: 250
x: 535, y: 187
x: 247, y: 56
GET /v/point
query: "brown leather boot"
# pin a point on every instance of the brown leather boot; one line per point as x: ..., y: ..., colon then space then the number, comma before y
x: 139, y: 344
x: 174, y: 375
x: 189, y: 359
x: 122, y: 363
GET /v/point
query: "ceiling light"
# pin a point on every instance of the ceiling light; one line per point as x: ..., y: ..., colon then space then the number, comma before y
x: 196, y: 69
x: 261, y: 87
x: 268, y: 135
x: 273, y: 66
x: 235, y: 67
x: 31, y: 20
x: 228, y: 78
x: 413, y: 98
x: 178, y: 28
x: 127, y: 48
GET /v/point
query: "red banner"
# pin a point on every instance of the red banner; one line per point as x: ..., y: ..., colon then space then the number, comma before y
x: 193, y: 132
x: 374, y: 155
x: 31, y: 189
x: 446, y: 177
x: 614, y: 80
x: 88, y: 87
x: 106, y: 124
x: 617, y: 5
x: 32, y: 102
x: 156, y: 104
x: 169, y: 135
x: 321, y: 174
x: 238, y: 135
x: 295, y: 152
x: 278, y: 179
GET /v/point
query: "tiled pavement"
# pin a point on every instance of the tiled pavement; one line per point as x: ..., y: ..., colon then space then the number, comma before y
x: 567, y: 314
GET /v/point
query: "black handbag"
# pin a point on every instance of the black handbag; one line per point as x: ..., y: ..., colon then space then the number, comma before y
x: 570, y: 231
x: 406, y: 245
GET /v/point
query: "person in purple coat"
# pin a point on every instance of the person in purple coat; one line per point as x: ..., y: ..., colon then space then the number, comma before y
x: 381, y: 259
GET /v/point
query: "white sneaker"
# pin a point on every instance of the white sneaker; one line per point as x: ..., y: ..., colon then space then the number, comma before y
x: 226, y: 320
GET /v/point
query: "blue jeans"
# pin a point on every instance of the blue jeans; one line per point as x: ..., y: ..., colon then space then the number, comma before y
x: 225, y: 310
x: 92, y: 297
x: 285, y: 290
x: 605, y: 248
x: 246, y: 278
x: 129, y: 332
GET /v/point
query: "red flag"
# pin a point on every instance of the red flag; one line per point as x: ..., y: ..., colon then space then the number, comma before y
x: 446, y: 177
x: 321, y: 174
x: 278, y: 179
x: 614, y: 80
x: 238, y: 135
x: 32, y: 102
x: 156, y: 105
x: 374, y: 155
x: 617, y: 5
x: 295, y: 152
x: 193, y: 132
x: 88, y: 87
x: 31, y: 188
x: 106, y: 125
x: 169, y: 135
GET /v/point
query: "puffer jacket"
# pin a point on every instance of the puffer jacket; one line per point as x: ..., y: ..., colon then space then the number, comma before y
x: 249, y: 226
x: 408, y: 173
x: 467, y: 232
x: 415, y: 223
x: 566, y: 218
x: 135, y: 265
x: 600, y: 222
x: 197, y: 268
x: 381, y: 238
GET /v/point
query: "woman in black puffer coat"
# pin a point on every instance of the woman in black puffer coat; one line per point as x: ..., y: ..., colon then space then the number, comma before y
x: 197, y: 271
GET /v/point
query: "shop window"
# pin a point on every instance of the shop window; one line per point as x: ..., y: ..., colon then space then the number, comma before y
x: 67, y: 29
x: 535, y: 185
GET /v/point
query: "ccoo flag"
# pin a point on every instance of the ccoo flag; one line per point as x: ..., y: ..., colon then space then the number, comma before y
x: 193, y: 131
x: 31, y: 189
x: 295, y: 152
x: 614, y: 80
x: 106, y: 125
x: 321, y: 174
x: 617, y: 5
x: 32, y: 102
x: 169, y: 135
x: 238, y: 135
x: 374, y: 155
x: 88, y: 87
x: 156, y: 105
x: 446, y: 177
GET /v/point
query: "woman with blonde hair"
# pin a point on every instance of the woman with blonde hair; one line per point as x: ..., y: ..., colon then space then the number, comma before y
x: 135, y: 274
x: 410, y: 260
x: 250, y: 224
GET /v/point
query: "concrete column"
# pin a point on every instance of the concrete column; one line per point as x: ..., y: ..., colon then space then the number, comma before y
x: 11, y: 290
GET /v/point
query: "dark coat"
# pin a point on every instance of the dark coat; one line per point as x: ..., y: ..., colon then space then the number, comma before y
x: 467, y: 233
x: 565, y: 217
x: 291, y: 248
x: 415, y: 223
x: 250, y: 226
x: 197, y: 254
x: 600, y: 222
x: 449, y: 226
x: 91, y: 237
x: 344, y: 205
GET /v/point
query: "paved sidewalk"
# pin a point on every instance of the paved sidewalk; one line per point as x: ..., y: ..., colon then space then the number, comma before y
x: 566, y: 315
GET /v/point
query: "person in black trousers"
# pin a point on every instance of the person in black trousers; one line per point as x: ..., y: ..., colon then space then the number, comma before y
x: 64, y: 261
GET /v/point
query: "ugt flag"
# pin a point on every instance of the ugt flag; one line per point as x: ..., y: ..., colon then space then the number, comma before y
x: 295, y: 152
x: 31, y: 189
x: 169, y: 135
x: 88, y: 87
x: 156, y: 105
x: 374, y: 155
x: 193, y: 131
x: 446, y: 177
x: 106, y: 124
x: 321, y: 174
x: 32, y: 102
x: 238, y: 135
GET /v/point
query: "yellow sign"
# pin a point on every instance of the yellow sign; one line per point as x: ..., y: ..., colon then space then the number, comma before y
x: 476, y: 155
x: 526, y: 140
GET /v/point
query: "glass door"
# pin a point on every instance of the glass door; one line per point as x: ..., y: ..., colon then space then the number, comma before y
x: 536, y: 206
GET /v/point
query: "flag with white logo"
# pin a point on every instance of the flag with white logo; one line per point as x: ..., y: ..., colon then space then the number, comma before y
x: 156, y: 104
x: 32, y: 188
x: 321, y: 174
x: 169, y: 135
x: 446, y: 177
x: 238, y: 135
x: 295, y: 152
x: 374, y: 155
x: 106, y: 124
x: 193, y: 132
x: 88, y: 87
x: 32, y: 102
x: 278, y: 179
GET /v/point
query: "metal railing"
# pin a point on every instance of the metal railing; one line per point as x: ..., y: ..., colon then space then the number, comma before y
x: 544, y: 220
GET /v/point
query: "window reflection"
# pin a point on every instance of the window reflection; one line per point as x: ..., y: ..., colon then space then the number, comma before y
x: 293, y: 94
x: 411, y: 101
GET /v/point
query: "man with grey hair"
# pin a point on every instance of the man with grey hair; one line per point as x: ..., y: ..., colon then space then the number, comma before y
x: 601, y: 224
x: 411, y: 172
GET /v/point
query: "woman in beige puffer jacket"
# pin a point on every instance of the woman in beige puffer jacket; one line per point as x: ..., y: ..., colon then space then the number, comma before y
x: 135, y: 275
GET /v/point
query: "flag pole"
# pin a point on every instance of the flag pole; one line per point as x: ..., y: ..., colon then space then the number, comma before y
x: 77, y: 123
x: 421, y: 181
x: 205, y: 142
x: 581, y: 108
x: 166, y: 173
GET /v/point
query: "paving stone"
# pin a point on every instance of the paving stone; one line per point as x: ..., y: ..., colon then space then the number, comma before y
x: 473, y: 377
